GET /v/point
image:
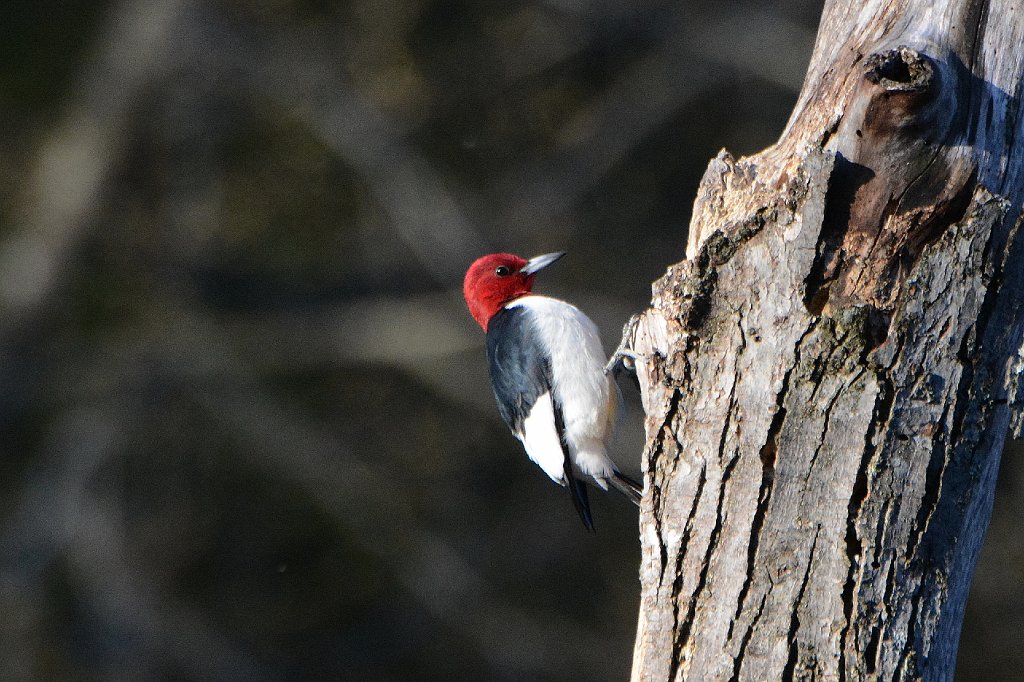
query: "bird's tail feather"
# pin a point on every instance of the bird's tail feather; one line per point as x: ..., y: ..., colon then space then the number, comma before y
x: 578, y: 491
x: 582, y: 503
x: 627, y: 486
x: 577, y: 488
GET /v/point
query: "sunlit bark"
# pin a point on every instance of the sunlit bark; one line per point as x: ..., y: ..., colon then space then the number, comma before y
x: 827, y: 376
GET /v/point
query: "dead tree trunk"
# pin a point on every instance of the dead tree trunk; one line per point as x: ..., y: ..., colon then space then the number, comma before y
x: 828, y: 376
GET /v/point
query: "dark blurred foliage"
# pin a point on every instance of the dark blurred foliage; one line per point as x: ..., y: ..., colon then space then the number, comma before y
x: 246, y: 424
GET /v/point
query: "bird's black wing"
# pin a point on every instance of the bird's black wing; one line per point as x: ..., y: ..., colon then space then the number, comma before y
x: 520, y: 367
x: 520, y: 375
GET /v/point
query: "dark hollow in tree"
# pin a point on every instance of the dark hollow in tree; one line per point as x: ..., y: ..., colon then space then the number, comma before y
x: 828, y: 377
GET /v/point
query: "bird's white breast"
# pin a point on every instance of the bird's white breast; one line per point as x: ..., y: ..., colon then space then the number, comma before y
x: 586, y: 395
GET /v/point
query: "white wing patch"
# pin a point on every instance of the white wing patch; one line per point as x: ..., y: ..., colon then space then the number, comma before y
x: 541, y: 441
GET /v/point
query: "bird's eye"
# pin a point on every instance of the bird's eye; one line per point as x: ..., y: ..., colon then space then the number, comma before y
x: 501, y: 271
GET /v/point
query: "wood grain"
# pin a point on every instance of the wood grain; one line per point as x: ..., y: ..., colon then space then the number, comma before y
x: 828, y: 376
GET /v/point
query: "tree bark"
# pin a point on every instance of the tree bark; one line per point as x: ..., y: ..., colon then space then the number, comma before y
x: 828, y: 376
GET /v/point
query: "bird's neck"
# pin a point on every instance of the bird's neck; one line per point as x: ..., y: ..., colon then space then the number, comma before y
x: 489, y: 307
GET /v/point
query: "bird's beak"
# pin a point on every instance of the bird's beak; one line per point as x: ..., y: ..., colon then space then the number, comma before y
x: 541, y: 262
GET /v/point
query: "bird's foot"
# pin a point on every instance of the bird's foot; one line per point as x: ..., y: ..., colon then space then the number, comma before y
x: 624, y: 358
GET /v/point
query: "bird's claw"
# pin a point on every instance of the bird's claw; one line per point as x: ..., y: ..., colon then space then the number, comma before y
x: 621, y: 361
x: 624, y: 358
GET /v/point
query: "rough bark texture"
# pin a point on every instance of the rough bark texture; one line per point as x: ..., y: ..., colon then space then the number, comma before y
x: 828, y: 375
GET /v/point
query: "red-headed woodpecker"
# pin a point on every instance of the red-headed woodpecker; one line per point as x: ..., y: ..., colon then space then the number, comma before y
x: 547, y: 371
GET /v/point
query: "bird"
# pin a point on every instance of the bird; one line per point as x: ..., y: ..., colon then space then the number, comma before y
x: 547, y: 369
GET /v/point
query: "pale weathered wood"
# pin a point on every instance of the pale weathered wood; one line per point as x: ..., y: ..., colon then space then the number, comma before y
x: 827, y: 377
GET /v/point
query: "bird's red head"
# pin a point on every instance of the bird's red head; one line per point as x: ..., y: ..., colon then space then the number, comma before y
x: 494, y: 280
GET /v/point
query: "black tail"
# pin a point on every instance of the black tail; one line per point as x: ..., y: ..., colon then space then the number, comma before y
x: 578, y: 490
x: 627, y: 486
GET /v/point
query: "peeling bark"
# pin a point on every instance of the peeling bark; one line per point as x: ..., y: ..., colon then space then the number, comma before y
x: 829, y: 376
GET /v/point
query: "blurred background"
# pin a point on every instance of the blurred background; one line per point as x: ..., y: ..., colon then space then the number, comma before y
x: 246, y: 426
